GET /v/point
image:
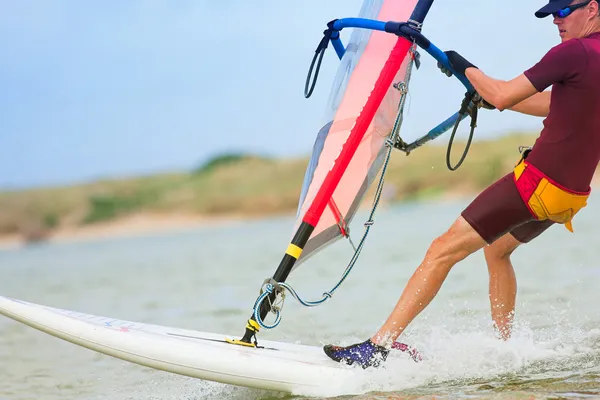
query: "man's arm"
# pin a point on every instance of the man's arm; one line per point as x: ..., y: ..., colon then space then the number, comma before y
x: 518, y: 94
x: 537, y: 105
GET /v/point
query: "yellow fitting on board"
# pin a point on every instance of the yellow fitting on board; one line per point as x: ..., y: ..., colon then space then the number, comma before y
x: 239, y: 342
x: 293, y: 251
x: 253, y: 325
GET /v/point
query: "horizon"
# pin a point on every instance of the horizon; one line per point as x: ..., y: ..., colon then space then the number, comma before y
x: 133, y: 89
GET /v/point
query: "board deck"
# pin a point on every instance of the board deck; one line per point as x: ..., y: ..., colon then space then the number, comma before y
x: 286, y: 367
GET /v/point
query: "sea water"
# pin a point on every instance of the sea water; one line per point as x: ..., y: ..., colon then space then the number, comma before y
x: 209, y: 277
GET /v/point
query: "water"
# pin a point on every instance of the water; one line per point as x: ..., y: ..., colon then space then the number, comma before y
x: 207, y: 279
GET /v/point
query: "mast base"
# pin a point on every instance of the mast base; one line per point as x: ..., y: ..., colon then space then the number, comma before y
x: 252, y: 329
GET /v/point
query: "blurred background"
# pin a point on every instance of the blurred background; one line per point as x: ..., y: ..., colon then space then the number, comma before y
x: 127, y: 108
x: 181, y: 127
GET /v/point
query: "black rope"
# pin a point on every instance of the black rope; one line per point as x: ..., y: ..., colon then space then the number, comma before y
x: 464, y: 109
x: 319, y: 52
x: 307, y: 91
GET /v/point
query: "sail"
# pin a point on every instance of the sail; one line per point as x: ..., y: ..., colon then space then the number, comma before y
x: 356, y: 80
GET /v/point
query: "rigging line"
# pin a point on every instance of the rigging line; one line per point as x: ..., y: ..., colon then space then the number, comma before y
x: 270, y: 287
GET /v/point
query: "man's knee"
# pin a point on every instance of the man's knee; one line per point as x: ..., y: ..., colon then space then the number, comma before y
x: 456, y: 244
x: 501, y: 248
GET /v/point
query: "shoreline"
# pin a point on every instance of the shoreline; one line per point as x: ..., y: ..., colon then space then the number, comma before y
x: 146, y: 223
x: 130, y: 226
x: 142, y: 224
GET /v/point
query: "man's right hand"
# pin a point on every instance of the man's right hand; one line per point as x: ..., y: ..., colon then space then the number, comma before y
x: 487, y: 105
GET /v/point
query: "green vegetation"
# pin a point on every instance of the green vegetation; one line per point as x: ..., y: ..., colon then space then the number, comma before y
x: 248, y: 185
x: 222, y: 160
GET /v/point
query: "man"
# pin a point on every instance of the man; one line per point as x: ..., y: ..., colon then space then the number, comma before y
x: 549, y: 186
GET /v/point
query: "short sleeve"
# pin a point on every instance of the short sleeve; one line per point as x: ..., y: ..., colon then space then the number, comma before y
x: 563, y: 62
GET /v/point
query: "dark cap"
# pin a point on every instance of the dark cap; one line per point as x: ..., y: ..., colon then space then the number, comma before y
x: 552, y: 7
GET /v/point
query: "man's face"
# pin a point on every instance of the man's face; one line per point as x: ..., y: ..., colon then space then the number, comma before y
x: 575, y: 24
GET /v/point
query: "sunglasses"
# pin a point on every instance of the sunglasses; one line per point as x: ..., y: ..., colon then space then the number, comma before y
x: 565, y: 12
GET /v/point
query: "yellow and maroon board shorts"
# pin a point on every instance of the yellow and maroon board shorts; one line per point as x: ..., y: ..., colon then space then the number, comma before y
x: 499, y: 209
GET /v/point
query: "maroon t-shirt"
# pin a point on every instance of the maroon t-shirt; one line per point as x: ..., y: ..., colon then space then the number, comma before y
x: 568, y: 149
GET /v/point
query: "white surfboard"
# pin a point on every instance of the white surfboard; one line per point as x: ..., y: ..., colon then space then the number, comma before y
x: 277, y: 366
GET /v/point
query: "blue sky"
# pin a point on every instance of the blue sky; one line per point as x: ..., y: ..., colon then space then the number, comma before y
x: 108, y: 89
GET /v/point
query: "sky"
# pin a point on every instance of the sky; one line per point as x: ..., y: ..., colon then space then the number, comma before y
x: 94, y: 90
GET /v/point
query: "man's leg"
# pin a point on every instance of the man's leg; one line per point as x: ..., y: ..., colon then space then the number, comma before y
x: 457, y: 243
x: 496, y: 211
x: 503, y: 283
x: 445, y: 251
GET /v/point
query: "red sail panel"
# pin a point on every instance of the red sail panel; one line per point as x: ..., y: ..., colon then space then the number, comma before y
x: 363, y: 105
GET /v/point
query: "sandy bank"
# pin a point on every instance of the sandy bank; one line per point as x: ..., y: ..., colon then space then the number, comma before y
x: 148, y: 223
x: 134, y: 225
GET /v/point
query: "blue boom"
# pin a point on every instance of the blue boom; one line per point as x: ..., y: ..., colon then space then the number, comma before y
x: 412, y: 31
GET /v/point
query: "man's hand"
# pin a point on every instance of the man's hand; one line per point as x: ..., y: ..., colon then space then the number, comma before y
x: 444, y: 69
x: 487, y: 105
x: 457, y: 62
x: 460, y: 65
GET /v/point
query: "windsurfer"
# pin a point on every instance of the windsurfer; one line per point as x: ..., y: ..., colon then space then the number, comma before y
x: 549, y: 185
